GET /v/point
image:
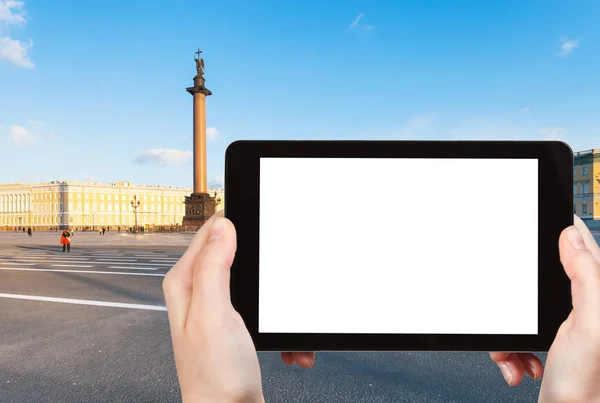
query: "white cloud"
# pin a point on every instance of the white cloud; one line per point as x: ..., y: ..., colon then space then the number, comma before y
x: 567, y: 46
x: 526, y: 109
x: 12, y: 13
x: 20, y: 136
x: 212, y: 133
x: 15, y: 51
x: 355, y: 23
x: 163, y: 157
x: 217, y: 182
x: 552, y: 133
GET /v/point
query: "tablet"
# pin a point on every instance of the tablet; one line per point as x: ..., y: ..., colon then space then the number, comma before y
x: 399, y: 245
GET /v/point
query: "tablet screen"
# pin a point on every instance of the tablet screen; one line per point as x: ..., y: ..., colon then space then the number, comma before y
x: 398, y: 246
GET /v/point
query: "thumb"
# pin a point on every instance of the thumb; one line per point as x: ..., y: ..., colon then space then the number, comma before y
x: 210, y: 285
x: 584, y: 271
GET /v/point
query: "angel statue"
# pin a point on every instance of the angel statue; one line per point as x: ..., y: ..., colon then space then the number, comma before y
x: 199, y: 63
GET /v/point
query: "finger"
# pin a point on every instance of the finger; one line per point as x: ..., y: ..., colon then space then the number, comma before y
x: 511, y: 367
x: 303, y: 359
x: 532, y: 364
x: 211, y: 274
x: 499, y: 356
x: 177, y: 284
x: 588, y: 238
x: 287, y: 358
x: 583, y: 270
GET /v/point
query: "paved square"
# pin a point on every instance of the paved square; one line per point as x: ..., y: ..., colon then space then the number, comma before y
x: 91, y: 325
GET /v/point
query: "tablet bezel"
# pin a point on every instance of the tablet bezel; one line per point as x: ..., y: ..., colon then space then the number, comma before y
x: 555, y: 199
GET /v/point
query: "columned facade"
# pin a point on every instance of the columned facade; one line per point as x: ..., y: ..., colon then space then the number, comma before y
x: 73, y: 204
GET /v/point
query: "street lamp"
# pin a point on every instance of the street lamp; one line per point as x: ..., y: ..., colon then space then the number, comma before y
x: 135, y: 203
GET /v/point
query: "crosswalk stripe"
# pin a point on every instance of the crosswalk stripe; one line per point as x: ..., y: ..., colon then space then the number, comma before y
x: 133, y: 268
x: 19, y: 264
x: 70, y: 265
x: 141, y: 264
x: 85, y: 302
x: 84, y: 271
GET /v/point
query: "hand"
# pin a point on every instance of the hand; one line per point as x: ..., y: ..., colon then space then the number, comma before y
x: 214, y: 354
x: 573, y: 363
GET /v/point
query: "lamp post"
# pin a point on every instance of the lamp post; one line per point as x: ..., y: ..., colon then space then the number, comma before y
x: 135, y: 203
x: 93, y: 220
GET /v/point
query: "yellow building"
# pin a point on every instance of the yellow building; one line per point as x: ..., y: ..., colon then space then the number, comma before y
x: 586, y: 184
x: 72, y: 204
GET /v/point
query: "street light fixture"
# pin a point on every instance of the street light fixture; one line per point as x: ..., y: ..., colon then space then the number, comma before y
x: 135, y: 203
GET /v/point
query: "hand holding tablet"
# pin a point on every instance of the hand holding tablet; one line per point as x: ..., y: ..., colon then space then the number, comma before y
x: 217, y: 362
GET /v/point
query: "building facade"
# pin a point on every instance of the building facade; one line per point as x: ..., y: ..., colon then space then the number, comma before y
x: 586, y: 184
x: 79, y: 205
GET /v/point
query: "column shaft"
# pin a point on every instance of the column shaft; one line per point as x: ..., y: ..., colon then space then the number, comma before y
x: 200, y: 181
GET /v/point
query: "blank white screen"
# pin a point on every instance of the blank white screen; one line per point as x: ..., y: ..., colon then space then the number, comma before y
x: 370, y: 245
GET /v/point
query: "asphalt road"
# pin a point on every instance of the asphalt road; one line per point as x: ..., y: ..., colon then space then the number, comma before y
x: 69, y: 350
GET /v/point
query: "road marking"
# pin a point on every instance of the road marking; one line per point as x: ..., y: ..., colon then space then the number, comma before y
x: 36, y: 259
x: 152, y: 255
x: 84, y: 271
x: 85, y: 302
x: 116, y: 260
x: 133, y: 268
x: 137, y: 264
x: 165, y: 260
x: 19, y: 264
x: 70, y: 265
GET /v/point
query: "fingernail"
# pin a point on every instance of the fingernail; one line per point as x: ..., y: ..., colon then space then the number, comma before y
x: 575, y: 238
x: 506, y: 372
x: 217, y: 229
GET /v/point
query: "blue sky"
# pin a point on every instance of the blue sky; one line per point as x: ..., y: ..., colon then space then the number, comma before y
x: 86, y: 87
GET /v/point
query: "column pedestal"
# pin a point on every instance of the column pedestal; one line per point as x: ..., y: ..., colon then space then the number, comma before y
x: 199, y: 207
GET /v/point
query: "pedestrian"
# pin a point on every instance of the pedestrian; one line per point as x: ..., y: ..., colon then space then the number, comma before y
x: 65, y: 241
x: 29, y: 231
x: 103, y: 230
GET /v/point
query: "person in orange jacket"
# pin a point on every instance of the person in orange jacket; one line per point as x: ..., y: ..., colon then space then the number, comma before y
x: 65, y: 241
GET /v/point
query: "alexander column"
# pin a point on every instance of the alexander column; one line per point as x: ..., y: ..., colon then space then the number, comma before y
x: 199, y: 206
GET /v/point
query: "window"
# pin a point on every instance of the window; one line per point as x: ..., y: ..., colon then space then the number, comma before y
x: 152, y: 198
x: 584, y: 208
x: 87, y: 196
x: 145, y: 198
x: 585, y: 187
x: 87, y: 207
x: 109, y: 205
x: 584, y: 170
x: 109, y: 197
x: 101, y: 197
x: 70, y: 194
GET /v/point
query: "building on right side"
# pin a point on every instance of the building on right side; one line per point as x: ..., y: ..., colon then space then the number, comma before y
x: 586, y: 185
